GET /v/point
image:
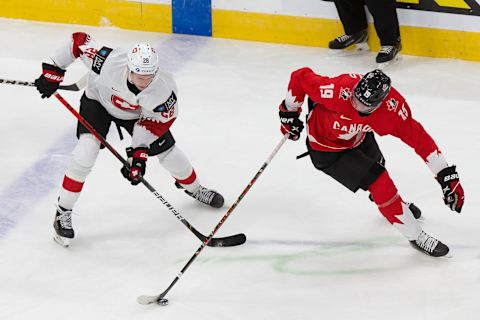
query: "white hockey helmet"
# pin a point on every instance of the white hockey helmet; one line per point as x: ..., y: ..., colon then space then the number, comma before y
x: 142, y: 59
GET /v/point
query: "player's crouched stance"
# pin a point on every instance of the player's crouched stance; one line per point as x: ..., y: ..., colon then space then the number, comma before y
x: 129, y: 89
x: 343, y: 113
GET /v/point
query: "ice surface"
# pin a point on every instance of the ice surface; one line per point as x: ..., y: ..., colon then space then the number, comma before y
x: 314, y: 250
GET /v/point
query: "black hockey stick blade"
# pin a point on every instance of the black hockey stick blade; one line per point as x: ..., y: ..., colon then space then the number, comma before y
x: 230, y: 241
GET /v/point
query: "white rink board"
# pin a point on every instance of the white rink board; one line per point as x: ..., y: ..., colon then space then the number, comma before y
x: 301, y: 8
x: 326, y: 9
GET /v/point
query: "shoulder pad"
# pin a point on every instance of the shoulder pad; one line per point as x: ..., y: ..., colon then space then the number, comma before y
x: 100, y: 58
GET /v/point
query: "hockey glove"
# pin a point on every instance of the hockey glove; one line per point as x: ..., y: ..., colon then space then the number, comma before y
x: 137, y: 159
x: 50, y: 80
x: 290, y: 122
x: 453, y: 195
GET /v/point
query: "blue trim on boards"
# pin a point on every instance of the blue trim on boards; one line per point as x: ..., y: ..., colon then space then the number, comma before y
x: 192, y: 17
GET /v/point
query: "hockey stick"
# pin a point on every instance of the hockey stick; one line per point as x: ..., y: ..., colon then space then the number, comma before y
x: 230, y: 241
x: 77, y: 86
x: 160, y: 299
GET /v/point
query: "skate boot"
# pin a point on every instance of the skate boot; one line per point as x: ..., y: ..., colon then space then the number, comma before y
x: 349, y: 44
x: 63, y: 226
x: 388, y: 55
x: 204, y: 195
x: 429, y: 245
x: 417, y: 213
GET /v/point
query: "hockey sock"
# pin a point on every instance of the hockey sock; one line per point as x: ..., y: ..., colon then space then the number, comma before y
x: 83, y: 158
x: 390, y: 204
x: 176, y: 162
x: 190, y: 183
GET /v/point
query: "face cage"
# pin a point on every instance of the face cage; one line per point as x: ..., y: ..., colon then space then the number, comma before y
x: 131, y: 80
x: 360, y: 107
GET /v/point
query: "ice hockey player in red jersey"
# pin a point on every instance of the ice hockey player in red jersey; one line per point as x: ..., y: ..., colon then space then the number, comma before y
x: 344, y: 112
x: 129, y: 89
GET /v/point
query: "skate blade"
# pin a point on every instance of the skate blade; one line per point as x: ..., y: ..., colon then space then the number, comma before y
x: 449, y: 255
x: 64, y: 242
x: 353, y: 50
x: 386, y: 65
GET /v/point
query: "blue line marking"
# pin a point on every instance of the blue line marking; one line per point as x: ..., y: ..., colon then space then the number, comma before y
x: 35, y: 183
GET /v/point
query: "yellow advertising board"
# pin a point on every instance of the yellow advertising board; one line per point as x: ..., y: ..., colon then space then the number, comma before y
x: 469, y: 7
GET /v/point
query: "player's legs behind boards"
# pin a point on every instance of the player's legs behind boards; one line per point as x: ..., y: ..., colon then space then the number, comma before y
x: 397, y: 212
x: 175, y: 161
x: 81, y: 163
x: 349, y: 44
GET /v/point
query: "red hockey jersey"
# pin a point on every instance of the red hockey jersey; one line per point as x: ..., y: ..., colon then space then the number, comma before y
x: 334, y: 125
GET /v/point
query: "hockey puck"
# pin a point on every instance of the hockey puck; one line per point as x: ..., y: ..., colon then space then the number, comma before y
x: 162, y: 302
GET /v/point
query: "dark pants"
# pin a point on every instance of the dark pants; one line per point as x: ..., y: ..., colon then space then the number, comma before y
x: 100, y: 120
x: 356, y: 168
x: 354, y: 19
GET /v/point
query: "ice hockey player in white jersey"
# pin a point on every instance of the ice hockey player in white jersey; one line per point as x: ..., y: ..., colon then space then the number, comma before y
x: 131, y: 90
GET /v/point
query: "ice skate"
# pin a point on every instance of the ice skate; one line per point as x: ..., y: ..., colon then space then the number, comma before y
x: 206, y: 196
x: 63, y: 227
x: 430, y: 246
x: 389, y: 55
x: 348, y: 45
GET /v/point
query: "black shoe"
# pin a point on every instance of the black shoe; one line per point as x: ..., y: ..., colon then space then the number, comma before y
x: 63, y: 223
x: 345, y: 41
x: 429, y: 245
x: 206, y: 196
x: 388, y: 53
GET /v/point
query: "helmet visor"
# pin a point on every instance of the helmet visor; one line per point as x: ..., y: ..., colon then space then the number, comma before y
x: 360, y: 107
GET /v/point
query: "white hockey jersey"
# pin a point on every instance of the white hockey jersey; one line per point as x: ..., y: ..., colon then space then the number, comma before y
x: 156, y: 107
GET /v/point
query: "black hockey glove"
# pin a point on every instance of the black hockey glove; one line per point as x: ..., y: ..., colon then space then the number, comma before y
x: 50, y: 80
x: 290, y: 122
x: 453, y: 194
x: 137, y: 159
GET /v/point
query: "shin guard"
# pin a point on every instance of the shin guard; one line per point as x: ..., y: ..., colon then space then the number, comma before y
x: 390, y: 204
x: 83, y: 159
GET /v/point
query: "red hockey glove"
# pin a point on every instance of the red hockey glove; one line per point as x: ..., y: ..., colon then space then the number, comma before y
x: 137, y: 159
x: 453, y: 194
x: 290, y: 122
x: 50, y: 80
